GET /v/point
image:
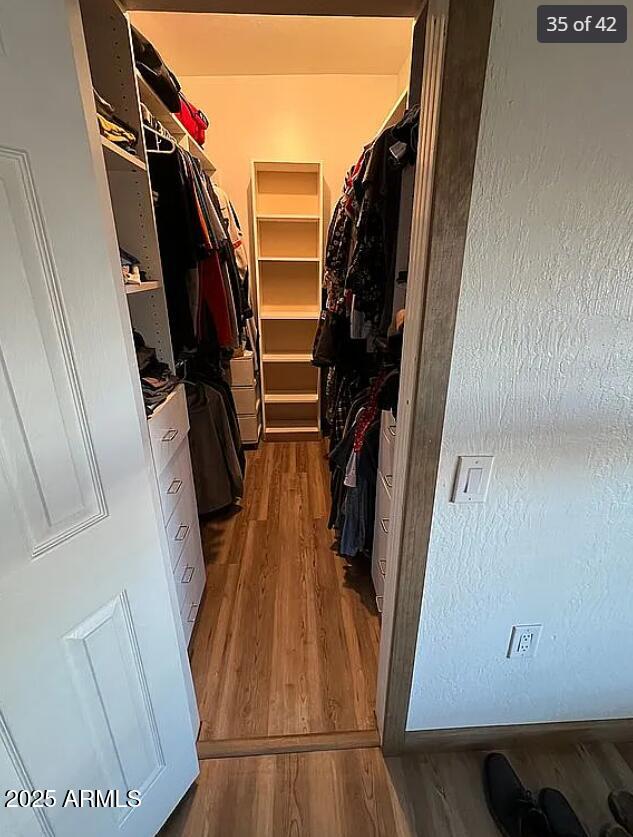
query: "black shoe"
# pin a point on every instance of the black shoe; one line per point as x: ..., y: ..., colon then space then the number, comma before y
x: 621, y: 805
x: 511, y: 805
x: 560, y: 815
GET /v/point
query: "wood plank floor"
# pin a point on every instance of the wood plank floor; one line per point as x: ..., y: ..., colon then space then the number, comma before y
x: 357, y: 792
x: 287, y: 641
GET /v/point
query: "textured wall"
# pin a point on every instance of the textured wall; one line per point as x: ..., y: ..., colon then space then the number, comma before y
x: 541, y: 378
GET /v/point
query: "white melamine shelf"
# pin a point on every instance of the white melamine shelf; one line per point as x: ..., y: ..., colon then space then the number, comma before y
x: 171, y: 122
x: 287, y: 358
x: 144, y: 286
x: 274, y: 312
x: 292, y: 397
x: 288, y: 259
x: 281, y: 430
x: 118, y: 159
x: 287, y: 217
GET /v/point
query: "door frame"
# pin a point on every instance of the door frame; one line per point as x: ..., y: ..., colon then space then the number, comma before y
x: 455, y: 57
x: 454, y: 67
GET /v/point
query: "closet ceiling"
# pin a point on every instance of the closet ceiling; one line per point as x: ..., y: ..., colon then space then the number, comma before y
x: 219, y: 44
x: 382, y: 8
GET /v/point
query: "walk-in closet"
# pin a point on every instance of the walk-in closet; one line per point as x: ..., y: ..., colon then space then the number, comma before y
x: 261, y: 174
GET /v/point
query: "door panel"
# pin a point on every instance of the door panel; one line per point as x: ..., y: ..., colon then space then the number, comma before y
x: 112, y: 687
x: 92, y: 690
x: 46, y: 448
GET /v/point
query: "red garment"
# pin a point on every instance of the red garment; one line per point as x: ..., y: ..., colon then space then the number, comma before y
x: 193, y: 120
x: 369, y: 412
x: 213, y: 296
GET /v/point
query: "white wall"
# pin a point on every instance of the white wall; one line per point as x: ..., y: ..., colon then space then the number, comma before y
x: 541, y: 378
x: 328, y: 117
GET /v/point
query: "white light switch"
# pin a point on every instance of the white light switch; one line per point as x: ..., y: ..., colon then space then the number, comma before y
x: 472, y: 479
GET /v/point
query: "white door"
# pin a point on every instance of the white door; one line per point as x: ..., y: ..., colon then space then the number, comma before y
x: 92, y: 692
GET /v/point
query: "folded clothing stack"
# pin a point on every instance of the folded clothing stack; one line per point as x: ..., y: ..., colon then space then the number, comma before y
x: 157, y: 380
x: 131, y: 268
x: 112, y: 127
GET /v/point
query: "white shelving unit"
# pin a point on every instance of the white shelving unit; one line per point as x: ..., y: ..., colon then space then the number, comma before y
x: 288, y: 236
x: 171, y: 122
x: 119, y: 159
x: 113, y: 75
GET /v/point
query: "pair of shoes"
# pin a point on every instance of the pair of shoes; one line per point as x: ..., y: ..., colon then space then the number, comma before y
x: 621, y: 805
x: 516, y: 811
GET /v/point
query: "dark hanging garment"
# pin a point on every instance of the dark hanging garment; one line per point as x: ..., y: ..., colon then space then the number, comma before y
x: 371, y: 276
x: 216, y: 465
x: 179, y: 240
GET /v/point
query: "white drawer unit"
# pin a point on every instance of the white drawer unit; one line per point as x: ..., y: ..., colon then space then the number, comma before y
x: 191, y: 603
x: 386, y: 448
x: 181, y: 523
x: 250, y: 428
x: 169, y: 428
x: 382, y: 519
x: 245, y: 389
x: 243, y: 370
x: 245, y: 400
x: 188, y: 570
x: 173, y: 480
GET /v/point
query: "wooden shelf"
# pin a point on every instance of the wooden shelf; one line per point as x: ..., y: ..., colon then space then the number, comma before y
x: 144, y: 286
x: 171, y: 122
x: 288, y: 259
x: 274, y: 312
x: 287, y: 358
x: 287, y: 214
x: 118, y: 159
x: 285, y: 167
x: 292, y: 397
x: 289, y: 217
x: 279, y: 431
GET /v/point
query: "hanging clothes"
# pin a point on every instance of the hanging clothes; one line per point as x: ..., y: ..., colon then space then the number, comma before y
x: 354, y: 465
x: 207, y: 313
x: 217, y: 472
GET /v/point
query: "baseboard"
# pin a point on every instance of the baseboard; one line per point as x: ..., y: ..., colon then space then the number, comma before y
x: 519, y: 735
x: 277, y: 744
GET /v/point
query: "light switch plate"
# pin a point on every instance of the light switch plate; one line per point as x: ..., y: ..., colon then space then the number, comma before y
x: 472, y: 479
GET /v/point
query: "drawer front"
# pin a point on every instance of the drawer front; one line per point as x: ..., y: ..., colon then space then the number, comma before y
x: 249, y: 429
x: 383, y: 503
x: 385, y: 465
x: 387, y: 442
x: 242, y: 371
x: 190, y: 606
x: 379, y: 550
x: 174, y: 480
x: 382, y: 526
x: 245, y: 400
x: 190, y: 570
x: 182, y: 523
x: 379, y: 586
x: 378, y: 578
x: 168, y: 427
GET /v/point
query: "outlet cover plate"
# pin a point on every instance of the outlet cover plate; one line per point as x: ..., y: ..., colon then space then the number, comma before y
x: 524, y: 640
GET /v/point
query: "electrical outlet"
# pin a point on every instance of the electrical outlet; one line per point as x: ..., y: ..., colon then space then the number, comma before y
x: 524, y: 640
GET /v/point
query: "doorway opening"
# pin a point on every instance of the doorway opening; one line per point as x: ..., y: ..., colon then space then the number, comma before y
x: 313, y: 138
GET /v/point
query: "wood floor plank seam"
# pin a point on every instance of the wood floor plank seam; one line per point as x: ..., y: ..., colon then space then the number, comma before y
x: 280, y: 744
